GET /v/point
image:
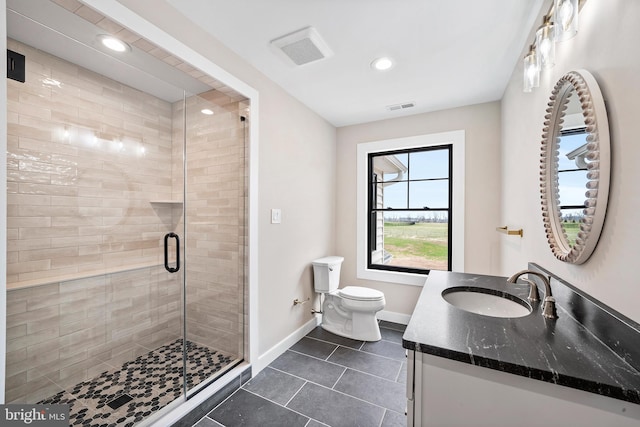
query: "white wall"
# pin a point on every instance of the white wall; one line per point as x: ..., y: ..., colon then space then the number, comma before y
x: 607, y: 46
x: 481, y: 124
x: 296, y: 174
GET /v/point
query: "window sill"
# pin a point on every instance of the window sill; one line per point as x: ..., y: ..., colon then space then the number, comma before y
x: 412, y: 279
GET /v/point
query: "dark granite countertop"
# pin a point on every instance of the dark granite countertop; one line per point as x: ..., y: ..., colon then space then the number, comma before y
x: 588, y: 347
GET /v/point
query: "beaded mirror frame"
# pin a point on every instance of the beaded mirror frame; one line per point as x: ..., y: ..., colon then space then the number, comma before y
x: 582, y: 84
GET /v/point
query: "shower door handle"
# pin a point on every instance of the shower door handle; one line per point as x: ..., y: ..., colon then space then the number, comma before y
x: 166, y: 252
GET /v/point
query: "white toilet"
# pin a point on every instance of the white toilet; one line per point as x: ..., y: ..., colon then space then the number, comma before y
x: 351, y: 311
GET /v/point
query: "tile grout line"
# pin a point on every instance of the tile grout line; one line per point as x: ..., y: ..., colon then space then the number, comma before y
x: 363, y: 342
x: 400, y: 371
x: 295, y: 394
x: 354, y: 397
x: 325, y: 341
x: 339, y: 378
x: 276, y: 403
x: 343, y: 366
x: 293, y: 375
x: 224, y: 400
x: 348, y: 348
x: 333, y: 351
x: 337, y: 391
x: 384, y: 414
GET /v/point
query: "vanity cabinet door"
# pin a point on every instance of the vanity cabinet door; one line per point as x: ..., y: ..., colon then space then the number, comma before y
x: 414, y: 388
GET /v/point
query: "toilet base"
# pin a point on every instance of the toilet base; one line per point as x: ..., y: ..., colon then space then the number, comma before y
x: 366, y: 327
x: 363, y: 337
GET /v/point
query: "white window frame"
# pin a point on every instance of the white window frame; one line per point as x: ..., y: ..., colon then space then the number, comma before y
x: 457, y: 141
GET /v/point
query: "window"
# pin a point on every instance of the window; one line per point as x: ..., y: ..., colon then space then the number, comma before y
x: 409, y: 207
x: 393, y: 188
x: 572, y: 179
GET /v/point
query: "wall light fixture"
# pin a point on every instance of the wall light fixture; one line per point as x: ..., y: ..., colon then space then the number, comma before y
x: 559, y: 24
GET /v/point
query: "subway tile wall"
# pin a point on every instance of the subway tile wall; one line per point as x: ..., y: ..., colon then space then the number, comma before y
x: 87, y: 159
x: 63, y: 333
x: 86, y: 155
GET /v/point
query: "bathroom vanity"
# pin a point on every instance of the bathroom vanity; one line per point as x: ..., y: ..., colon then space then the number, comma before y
x: 581, y: 369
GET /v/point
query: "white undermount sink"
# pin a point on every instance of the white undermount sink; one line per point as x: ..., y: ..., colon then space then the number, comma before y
x: 487, y: 302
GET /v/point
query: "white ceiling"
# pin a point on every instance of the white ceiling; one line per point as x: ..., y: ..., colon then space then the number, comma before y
x: 449, y: 53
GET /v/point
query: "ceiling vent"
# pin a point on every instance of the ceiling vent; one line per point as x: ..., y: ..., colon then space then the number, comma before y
x: 302, y: 47
x: 402, y: 106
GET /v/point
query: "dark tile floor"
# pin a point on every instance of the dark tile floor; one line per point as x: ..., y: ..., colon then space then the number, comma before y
x: 324, y: 379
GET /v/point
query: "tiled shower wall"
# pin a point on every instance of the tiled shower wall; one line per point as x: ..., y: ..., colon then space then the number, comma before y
x: 63, y: 333
x: 86, y: 155
x: 87, y: 159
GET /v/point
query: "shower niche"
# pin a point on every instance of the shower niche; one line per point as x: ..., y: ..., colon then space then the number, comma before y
x: 107, y: 154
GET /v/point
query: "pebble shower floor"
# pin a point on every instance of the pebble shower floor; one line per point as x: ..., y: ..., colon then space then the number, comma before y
x: 146, y: 384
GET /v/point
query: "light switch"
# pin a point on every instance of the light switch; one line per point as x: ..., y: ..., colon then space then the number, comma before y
x: 276, y: 216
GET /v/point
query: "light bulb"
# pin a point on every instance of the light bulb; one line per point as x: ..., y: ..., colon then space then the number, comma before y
x: 113, y: 43
x: 531, y: 72
x: 566, y: 19
x: 382, y: 64
x: 545, y: 46
x: 565, y: 14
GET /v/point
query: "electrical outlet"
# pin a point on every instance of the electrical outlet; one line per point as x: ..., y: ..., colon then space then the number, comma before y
x: 276, y: 216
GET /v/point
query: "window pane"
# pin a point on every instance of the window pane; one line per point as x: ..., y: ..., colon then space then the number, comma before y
x: 571, y: 151
x: 571, y: 223
x: 429, y: 194
x: 394, y: 195
x: 412, y: 240
x: 429, y: 164
x: 392, y: 167
x: 572, y: 187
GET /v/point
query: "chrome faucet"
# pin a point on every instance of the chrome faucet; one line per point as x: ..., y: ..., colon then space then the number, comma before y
x: 549, y: 303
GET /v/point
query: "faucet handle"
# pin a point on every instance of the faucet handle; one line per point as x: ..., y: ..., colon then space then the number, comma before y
x: 549, y: 308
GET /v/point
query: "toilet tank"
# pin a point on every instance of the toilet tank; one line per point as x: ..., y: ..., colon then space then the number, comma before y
x: 326, y: 273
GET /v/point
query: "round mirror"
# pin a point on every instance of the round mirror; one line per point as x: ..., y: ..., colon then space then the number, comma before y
x: 574, y: 167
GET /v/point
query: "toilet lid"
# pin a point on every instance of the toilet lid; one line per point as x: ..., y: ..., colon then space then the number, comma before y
x: 360, y: 294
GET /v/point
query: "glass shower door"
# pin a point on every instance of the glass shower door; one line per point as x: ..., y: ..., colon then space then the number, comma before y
x: 214, y: 236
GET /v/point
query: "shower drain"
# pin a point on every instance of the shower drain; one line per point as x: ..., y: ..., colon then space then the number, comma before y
x: 119, y: 401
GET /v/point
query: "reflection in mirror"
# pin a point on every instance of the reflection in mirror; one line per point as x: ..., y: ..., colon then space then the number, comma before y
x: 575, y: 167
x: 572, y: 169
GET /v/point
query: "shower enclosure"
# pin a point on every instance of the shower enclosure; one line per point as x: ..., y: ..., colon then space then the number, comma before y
x: 126, y: 232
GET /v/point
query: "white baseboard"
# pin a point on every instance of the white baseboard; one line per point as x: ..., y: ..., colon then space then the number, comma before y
x: 272, y: 354
x: 394, y: 317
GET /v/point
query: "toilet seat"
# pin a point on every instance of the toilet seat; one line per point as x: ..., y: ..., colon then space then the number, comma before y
x: 359, y: 293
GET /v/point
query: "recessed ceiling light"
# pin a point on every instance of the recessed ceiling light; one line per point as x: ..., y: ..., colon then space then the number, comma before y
x: 382, y: 64
x: 113, y: 43
x: 206, y: 111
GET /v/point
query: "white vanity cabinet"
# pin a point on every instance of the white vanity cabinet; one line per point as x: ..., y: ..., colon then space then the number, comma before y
x: 443, y: 392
